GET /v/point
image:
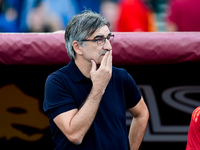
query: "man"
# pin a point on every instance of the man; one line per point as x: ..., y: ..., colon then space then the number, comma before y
x: 183, y: 16
x: 136, y: 16
x: 193, y: 141
x: 86, y: 100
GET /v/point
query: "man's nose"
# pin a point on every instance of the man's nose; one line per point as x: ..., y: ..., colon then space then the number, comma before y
x: 107, y: 45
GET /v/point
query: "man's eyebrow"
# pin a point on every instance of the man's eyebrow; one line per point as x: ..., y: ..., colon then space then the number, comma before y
x: 101, y: 36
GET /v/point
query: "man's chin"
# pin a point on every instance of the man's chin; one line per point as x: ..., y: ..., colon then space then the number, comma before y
x: 98, y: 62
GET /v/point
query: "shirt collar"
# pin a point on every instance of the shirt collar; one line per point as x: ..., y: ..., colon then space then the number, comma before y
x: 74, y: 73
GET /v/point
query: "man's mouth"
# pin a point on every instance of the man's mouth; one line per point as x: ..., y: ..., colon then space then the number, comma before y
x: 103, y: 53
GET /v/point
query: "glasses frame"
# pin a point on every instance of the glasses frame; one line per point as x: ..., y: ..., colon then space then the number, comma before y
x: 104, y: 39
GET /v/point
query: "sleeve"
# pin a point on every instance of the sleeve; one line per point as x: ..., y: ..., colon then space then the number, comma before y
x: 57, y: 96
x: 196, y: 117
x: 132, y: 92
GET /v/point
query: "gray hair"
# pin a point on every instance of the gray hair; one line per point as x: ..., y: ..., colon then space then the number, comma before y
x: 81, y: 27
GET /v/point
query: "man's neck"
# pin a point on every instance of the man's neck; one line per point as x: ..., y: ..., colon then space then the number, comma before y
x: 84, y: 67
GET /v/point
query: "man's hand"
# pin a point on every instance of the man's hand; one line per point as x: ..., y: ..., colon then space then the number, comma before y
x: 101, y: 76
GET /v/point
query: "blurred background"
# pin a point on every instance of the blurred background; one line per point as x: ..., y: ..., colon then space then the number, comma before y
x: 171, y: 90
x: 124, y: 15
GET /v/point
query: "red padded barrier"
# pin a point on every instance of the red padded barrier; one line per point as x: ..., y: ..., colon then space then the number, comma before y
x: 131, y: 48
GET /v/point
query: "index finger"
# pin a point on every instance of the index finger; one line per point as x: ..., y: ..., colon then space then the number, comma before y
x: 105, y: 58
x: 109, y: 60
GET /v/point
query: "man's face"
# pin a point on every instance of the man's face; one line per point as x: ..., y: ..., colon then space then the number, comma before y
x: 95, y: 52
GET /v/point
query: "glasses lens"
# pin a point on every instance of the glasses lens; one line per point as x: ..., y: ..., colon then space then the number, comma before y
x: 111, y: 38
x: 100, y: 41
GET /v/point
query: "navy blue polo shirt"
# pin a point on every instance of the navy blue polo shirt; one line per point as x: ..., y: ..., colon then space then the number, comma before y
x: 68, y: 88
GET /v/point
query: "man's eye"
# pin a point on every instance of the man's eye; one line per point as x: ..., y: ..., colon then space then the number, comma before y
x: 99, y: 40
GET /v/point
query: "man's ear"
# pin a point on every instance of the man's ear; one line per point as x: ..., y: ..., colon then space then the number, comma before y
x: 77, y: 47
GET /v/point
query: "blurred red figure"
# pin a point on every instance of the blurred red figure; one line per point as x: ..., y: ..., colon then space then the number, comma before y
x: 183, y: 15
x: 135, y: 16
x: 193, y: 142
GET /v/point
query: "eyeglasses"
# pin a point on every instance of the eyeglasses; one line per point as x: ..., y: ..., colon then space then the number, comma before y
x: 101, y: 39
